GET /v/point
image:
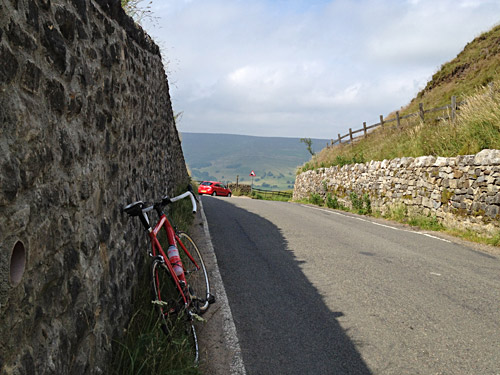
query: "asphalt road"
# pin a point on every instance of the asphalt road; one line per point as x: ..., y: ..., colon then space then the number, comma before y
x: 315, y: 291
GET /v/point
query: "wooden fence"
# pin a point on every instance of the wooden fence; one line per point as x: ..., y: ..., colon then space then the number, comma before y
x: 453, y: 107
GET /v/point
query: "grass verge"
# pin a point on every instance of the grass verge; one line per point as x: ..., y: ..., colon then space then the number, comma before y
x: 399, y: 213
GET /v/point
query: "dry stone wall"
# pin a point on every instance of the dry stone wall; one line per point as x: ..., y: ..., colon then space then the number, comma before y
x: 462, y: 192
x: 86, y: 125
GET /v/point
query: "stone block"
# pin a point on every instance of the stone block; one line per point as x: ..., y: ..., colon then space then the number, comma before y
x: 67, y: 23
x: 31, y: 77
x: 424, y: 161
x: 487, y: 157
x: 494, y: 199
x: 441, y: 162
x: 54, y: 43
x: 19, y: 38
x: 54, y: 92
x: 493, y: 211
x: 9, y: 65
x: 465, y: 160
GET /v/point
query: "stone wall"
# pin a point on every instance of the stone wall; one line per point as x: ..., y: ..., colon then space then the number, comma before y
x: 86, y: 125
x: 462, y: 192
x: 242, y: 188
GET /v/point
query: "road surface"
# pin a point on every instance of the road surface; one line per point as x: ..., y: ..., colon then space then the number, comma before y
x: 316, y: 291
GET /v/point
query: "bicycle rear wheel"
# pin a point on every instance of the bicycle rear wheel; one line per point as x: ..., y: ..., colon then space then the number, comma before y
x: 176, y: 321
x: 196, y: 274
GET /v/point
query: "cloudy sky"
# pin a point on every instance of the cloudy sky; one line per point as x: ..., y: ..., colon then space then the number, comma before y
x: 305, y: 68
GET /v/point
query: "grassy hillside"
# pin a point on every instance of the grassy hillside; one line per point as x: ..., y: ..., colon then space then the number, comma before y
x: 224, y: 156
x: 473, y: 76
x: 476, y: 66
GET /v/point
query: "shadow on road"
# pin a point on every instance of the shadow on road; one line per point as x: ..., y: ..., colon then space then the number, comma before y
x: 283, y: 325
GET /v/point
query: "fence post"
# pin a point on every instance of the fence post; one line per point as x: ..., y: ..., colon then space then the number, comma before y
x: 421, y: 111
x: 398, y: 120
x: 381, y: 120
x: 350, y: 134
x: 364, y: 128
x: 340, y: 139
x: 453, y: 108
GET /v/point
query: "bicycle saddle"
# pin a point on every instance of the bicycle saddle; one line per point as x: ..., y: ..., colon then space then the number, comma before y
x: 134, y: 209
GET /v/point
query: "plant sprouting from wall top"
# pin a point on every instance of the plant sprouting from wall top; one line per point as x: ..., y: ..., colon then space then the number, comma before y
x: 308, y: 143
x: 137, y: 10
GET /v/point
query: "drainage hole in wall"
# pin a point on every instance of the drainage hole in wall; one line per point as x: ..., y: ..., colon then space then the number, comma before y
x: 17, y: 263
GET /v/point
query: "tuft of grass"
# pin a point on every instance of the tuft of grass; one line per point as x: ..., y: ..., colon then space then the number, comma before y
x: 315, y: 198
x: 257, y: 195
x: 494, y: 240
x: 145, y: 349
x: 138, y: 11
x: 332, y: 202
x: 426, y: 222
x: 397, y: 213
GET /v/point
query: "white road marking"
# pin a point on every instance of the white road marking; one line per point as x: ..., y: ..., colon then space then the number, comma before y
x: 375, y: 223
x: 237, y: 366
x: 431, y: 236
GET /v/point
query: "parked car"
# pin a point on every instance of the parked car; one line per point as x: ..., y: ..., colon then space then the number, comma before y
x: 214, y: 188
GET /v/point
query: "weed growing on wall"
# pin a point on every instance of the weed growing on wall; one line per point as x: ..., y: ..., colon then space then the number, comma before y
x: 315, y: 198
x: 332, y: 202
x: 426, y: 222
x: 361, y: 205
x: 139, y: 10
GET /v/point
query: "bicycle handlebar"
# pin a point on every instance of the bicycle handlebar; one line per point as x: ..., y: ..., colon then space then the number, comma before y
x: 138, y: 208
x: 184, y: 195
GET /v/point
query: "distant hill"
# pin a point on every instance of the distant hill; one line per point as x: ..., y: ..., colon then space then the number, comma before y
x: 224, y: 156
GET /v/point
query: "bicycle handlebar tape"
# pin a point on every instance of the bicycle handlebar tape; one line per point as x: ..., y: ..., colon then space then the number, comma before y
x: 175, y: 261
x: 193, y: 202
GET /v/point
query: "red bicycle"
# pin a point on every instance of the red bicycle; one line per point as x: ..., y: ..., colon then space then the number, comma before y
x: 180, y: 285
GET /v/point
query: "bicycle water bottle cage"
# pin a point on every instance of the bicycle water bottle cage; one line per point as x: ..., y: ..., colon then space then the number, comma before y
x: 134, y: 209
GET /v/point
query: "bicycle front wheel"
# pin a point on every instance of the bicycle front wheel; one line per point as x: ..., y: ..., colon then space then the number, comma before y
x: 195, y: 272
x: 175, y: 320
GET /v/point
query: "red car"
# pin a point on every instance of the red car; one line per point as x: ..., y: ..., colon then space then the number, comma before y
x: 213, y: 188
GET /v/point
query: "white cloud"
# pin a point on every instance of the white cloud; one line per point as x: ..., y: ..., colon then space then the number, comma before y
x: 306, y: 68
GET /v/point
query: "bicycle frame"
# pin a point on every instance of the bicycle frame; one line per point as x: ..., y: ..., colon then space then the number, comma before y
x: 181, y: 263
x: 172, y: 239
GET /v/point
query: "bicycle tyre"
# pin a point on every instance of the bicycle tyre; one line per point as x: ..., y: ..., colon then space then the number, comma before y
x: 175, y: 321
x: 197, y: 278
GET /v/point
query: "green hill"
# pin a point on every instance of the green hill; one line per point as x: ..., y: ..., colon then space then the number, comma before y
x: 475, y: 66
x: 474, y: 77
x: 224, y: 156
